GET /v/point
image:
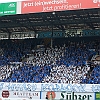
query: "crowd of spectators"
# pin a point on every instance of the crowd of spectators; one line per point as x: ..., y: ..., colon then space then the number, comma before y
x: 63, y: 74
x: 60, y: 64
x: 93, y: 77
x: 5, y: 71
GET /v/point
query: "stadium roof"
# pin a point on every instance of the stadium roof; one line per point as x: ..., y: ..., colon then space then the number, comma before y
x: 63, y: 20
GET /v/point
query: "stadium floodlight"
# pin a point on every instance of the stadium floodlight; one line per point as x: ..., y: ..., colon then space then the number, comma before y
x: 53, y: 13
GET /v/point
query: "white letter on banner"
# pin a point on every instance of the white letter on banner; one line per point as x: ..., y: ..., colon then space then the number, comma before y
x: 66, y: 88
x: 57, y: 87
x: 1, y: 86
x: 75, y: 88
x: 96, y: 88
x: 11, y: 87
x: 34, y: 87
x: 44, y: 87
x: 17, y: 87
x: 23, y: 87
x: 51, y: 87
x: 69, y: 88
x: 82, y: 88
x: 99, y: 88
x: 62, y: 88
x: 29, y: 87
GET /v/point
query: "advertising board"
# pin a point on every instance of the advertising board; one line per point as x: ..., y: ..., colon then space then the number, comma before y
x: 6, y: 1
x: 34, y: 6
x: 19, y: 99
x: 97, y: 96
x: 8, y: 8
x: 19, y: 94
x: 14, y: 99
x: 67, y: 96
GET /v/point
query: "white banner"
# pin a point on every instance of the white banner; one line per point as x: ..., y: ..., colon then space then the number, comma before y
x: 32, y: 87
x: 19, y: 94
x: 6, y: 1
x: 67, y: 96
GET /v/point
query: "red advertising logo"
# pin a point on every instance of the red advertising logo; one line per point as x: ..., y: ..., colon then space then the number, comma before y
x: 5, y: 94
x: 51, y: 95
x: 34, y: 6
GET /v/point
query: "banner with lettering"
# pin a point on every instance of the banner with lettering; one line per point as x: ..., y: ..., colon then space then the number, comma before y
x: 34, y: 6
x: 67, y: 96
x: 19, y: 94
x: 8, y: 8
x: 14, y: 99
x: 33, y: 87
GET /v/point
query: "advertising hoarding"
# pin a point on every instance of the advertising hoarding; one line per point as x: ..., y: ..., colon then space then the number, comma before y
x: 67, y: 96
x: 34, y: 6
x: 19, y: 94
x: 22, y: 35
x: 50, y: 96
x: 8, y: 8
x: 97, y: 96
x: 3, y: 36
x: 6, y: 1
x: 91, y: 32
x: 19, y: 99
x: 14, y: 99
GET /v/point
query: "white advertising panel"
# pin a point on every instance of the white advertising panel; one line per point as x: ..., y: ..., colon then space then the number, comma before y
x: 19, y: 94
x: 5, y: 1
x: 67, y: 96
x: 14, y: 99
x: 19, y: 99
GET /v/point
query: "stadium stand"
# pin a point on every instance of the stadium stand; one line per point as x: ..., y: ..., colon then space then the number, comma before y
x: 64, y: 63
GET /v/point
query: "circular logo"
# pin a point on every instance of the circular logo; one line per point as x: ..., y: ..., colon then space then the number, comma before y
x: 51, y: 95
x: 5, y: 94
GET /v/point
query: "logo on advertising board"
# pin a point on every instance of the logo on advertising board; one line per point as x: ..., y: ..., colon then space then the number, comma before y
x: 20, y: 94
x: 26, y: 94
x: 97, y: 95
x: 13, y: 99
x: 5, y: 94
x: 11, y: 5
x: 50, y: 95
x: 68, y: 96
x: 8, y: 8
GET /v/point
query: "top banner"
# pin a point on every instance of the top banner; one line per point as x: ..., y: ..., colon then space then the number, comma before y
x: 34, y: 6
x: 7, y: 1
x: 8, y: 8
